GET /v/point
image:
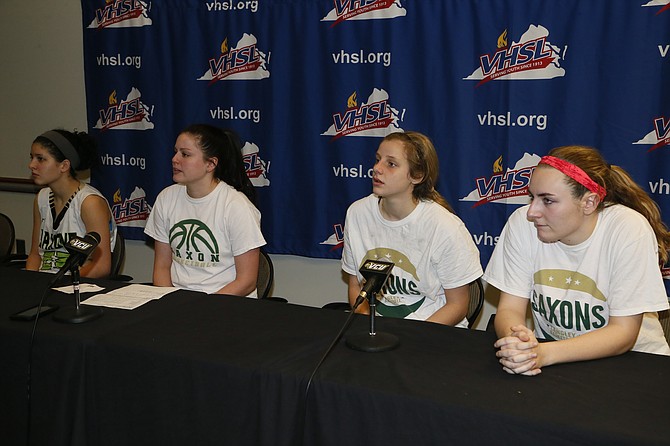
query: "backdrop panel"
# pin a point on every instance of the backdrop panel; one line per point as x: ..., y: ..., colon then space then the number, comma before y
x: 312, y: 87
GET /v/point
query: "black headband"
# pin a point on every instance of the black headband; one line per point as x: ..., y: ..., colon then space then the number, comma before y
x: 65, y: 146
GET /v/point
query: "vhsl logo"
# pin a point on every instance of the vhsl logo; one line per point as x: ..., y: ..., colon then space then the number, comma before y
x: 122, y: 14
x: 659, y: 136
x: 533, y: 57
x: 364, y: 10
x: 125, y: 114
x: 505, y: 186
x: 375, y: 117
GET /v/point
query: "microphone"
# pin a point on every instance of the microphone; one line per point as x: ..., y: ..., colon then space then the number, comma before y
x: 80, y: 248
x: 375, y: 275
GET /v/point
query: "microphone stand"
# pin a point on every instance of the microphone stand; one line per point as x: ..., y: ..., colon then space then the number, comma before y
x: 78, y: 314
x: 373, y: 341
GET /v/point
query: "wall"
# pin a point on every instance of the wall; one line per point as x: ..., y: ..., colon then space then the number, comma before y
x: 42, y: 84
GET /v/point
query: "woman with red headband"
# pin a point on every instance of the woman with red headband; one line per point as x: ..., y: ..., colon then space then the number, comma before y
x: 586, y: 253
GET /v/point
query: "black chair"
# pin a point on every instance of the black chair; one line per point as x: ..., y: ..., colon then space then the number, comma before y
x: 664, y: 318
x: 118, y: 257
x: 476, y: 302
x: 7, y: 238
x: 7, y: 243
x: 266, y: 274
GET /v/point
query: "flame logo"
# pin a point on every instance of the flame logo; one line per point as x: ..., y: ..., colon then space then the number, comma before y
x: 497, y: 165
x: 224, y: 46
x: 351, y: 101
x: 112, y: 98
x: 502, y: 40
x: 117, y: 196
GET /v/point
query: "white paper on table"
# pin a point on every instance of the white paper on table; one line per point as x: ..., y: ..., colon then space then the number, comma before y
x: 83, y: 288
x: 129, y: 297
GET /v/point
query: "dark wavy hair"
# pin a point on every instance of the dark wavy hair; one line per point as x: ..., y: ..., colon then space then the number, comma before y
x: 83, y: 143
x: 225, y: 146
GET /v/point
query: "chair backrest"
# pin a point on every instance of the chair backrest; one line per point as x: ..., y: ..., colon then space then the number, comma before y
x: 664, y: 318
x: 7, y: 236
x: 266, y: 274
x: 118, y: 255
x: 476, y: 301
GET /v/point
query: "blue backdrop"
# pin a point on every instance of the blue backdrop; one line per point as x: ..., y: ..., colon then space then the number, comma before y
x: 312, y: 85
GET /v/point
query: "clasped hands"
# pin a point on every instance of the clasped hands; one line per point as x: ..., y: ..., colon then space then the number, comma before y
x: 519, y: 352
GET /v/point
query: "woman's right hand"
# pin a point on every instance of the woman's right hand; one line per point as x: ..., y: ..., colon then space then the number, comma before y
x: 518, y: 351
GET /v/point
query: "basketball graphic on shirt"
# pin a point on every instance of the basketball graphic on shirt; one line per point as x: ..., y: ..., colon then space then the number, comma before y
x: 193, y: 235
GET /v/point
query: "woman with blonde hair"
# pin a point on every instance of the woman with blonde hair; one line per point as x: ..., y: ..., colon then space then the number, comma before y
x: 406, y: 221
x: 586, y: 253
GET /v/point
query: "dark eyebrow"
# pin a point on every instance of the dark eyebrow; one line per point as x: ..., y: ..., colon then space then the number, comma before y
x: 541, y: 194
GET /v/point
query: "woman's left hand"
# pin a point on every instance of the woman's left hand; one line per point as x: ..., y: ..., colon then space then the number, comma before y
x: 519, y: 352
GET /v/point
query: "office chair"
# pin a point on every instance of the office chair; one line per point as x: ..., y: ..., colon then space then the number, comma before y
x: 7, y: 238
x: 118, y: 256
x: 476, y: 302
x: 7, y: 242
x: 266, y: 274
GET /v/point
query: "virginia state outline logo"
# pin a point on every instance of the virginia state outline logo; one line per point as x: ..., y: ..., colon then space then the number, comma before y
x: 131, y: 212
x: 244, y: 61
x: 127, y: 114
x: 336, y: 239
x: 532, y: 57
x: 664, y: 4
x: 122, y: 14
x: 364, y: 10
x: 659, y: 136
x: 505, y: 186
x: 374, y: 118
x: 255, y: 167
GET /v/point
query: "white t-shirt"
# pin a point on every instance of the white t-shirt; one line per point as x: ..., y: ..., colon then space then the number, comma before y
x: 205, y: 234
x: 575, y: 289
x: 52, y: 240
x: 431, y: 249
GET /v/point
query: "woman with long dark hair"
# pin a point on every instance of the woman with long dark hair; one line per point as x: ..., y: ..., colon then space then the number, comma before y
x: 206, y: 227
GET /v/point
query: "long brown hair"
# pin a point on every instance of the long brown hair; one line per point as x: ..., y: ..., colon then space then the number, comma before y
x: 423, y: 165
x: 621, y: 189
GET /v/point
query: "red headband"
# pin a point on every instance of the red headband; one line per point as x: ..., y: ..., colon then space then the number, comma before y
x: 575, y: 173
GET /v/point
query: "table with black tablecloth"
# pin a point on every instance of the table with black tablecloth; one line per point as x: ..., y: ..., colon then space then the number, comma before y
x: 191, y: 368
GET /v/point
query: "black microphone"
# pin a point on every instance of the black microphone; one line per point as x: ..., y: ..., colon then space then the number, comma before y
x: 80, y: 248
x: 375, y: 274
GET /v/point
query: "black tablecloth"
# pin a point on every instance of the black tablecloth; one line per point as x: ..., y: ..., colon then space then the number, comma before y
x: 197, y: 369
